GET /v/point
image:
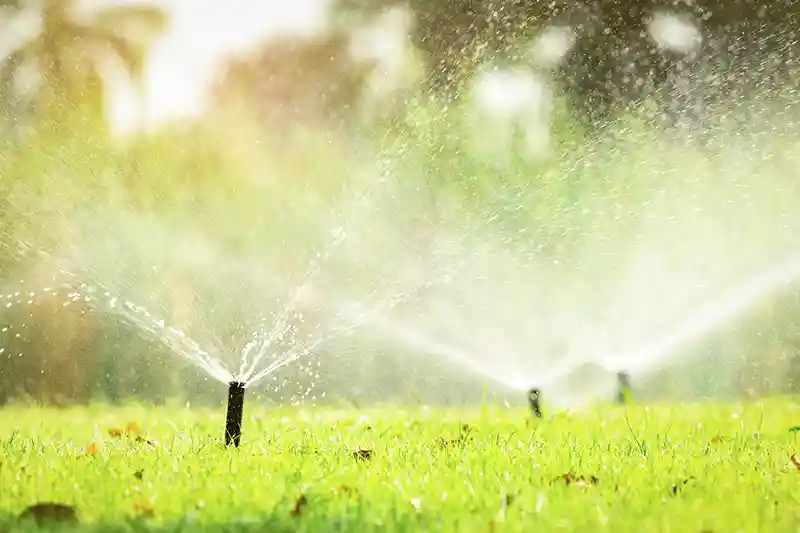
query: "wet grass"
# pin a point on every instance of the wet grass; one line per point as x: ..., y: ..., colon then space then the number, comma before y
x: 694, y: 467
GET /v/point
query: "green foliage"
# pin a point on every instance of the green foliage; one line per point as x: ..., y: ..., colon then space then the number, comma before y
x: 308, y: 80
x: 70, y: 54
x: 710, y: 467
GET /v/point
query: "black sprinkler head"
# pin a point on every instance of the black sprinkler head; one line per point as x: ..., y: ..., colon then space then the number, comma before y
x: 533, y: 399
x: 233, y: 420
x: 624, y: 391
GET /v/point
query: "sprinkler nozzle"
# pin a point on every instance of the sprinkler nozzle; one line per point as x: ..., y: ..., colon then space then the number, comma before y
x: 533, y: 399
x: 624, y: 392
x: 233, y: 420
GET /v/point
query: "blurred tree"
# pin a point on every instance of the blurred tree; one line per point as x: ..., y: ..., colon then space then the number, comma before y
x: 59, y: 53
x: 294, y: 80
x: 360, y: 69
x: 614, y: 59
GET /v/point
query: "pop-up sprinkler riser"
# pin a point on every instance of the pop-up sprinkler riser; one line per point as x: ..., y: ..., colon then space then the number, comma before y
x: 624, y: 390
x: 533, y: 400
x: 233, y: 420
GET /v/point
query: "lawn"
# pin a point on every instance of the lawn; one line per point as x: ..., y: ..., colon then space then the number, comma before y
x: 691, y: 467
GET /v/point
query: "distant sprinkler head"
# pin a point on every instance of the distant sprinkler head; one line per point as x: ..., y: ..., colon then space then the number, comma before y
x: 233, y: 420
x: 624, y: 384
x: 533, y: 399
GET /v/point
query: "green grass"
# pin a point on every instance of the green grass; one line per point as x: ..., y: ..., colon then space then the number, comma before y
x: 730, y: 462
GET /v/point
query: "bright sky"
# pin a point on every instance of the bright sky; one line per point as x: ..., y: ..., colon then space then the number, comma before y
x: 182, y: 63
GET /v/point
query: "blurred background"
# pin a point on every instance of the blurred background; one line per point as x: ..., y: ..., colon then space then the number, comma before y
x: 196, y: 157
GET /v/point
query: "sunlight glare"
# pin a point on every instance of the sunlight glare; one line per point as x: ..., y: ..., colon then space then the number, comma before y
x: 182, y: 63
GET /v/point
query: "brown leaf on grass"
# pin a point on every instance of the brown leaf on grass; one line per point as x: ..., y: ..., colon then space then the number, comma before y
x: 717, y: 438
x: 449, y: 443
x: 90, y: 450
x: 143, y: 509
x: 343, y: 489
x: 363, y: 455
x: 299, y: 504
x: 152, y: 443
x: 45, y: 512
x: 131, y: 429
x: 580, y: 481
x: 466, y: 429
x: 796, y: 462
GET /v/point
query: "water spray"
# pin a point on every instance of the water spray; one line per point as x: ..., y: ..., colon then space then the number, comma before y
x: 233, y: 420
x: 624, y: 390
x: 533, y: 399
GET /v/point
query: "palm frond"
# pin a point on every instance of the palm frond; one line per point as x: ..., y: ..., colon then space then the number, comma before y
x: 139, y: 23
x: 125, y: 30
x: 105, y: 43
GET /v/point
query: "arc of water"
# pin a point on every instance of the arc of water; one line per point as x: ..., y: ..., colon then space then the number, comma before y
x: 175, y: 339
x: 281, y: 326
x: 361, y: 319
x: 465, y: 358
x: 734, y: 303
x: 262, y: 342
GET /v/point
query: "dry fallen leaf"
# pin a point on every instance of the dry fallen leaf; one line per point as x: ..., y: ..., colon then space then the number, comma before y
x: 717, y: 438
x: 152, y: 443
x: 796, y: 462
x: 343, y: 489
x: 143, y: 509
x: 42, y: 513
x: 133, y: 430
x: 363, y: 455
x: 299, y: 504
x: 466, y: 429
x: 580, y: 481
x: 91, y: 449
x: 448, y: 443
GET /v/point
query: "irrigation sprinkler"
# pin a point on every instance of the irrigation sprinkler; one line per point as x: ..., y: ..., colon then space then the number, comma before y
x: 533, y: 399
x: 624, y: 390
x: 233, y: 420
